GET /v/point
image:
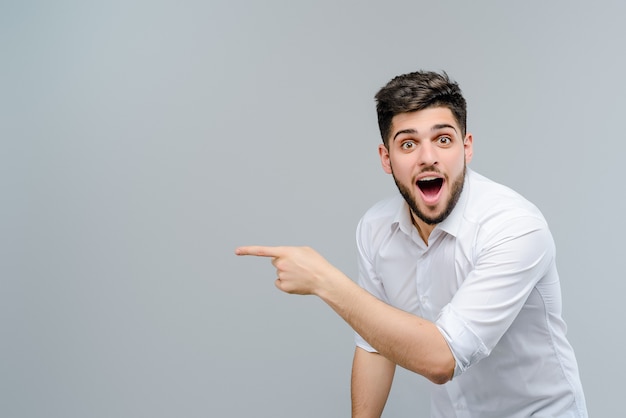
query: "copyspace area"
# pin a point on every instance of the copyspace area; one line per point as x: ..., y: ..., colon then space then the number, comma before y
x: 142, y: 141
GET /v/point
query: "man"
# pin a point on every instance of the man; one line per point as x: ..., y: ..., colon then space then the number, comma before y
x: 457, y: 275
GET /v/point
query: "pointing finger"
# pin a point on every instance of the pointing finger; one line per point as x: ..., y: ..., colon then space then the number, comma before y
x: 259, y: 251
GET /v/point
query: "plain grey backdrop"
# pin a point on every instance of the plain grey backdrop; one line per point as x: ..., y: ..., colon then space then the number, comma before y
x: 143, y: 141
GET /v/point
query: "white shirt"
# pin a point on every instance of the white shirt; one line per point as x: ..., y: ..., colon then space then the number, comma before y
x: 488, y: 280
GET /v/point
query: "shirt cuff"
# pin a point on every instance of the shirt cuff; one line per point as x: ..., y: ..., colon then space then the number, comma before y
x: 467, y: 348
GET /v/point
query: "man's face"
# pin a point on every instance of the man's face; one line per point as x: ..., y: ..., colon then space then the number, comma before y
x: 427, y: 156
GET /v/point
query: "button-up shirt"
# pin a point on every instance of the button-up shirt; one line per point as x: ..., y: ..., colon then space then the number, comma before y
x: 488, y: 280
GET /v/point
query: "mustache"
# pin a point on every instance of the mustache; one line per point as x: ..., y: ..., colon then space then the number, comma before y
x: 430, y: 169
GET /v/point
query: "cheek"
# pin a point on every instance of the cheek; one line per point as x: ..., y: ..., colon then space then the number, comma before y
x: 401, y: 168
x: 454, y: 167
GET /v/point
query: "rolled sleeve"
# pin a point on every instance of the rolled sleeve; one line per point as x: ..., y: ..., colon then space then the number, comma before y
x: 467, y: 348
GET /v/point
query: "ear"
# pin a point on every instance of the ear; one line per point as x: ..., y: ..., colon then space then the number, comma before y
x: 468, y: 145
x: 383, y: 152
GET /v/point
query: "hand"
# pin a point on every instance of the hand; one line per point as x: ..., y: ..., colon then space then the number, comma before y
x: 300, y: 270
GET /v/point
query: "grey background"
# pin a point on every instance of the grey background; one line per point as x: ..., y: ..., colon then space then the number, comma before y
x: 142, y: 141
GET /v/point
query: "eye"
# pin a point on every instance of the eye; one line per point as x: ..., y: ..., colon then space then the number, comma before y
x: 444, y: 140
x: 407, y: 145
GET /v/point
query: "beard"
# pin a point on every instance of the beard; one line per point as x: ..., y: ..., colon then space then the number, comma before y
x: 457, y: 188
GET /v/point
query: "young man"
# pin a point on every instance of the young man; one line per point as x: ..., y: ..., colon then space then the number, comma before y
x: 457, y: 275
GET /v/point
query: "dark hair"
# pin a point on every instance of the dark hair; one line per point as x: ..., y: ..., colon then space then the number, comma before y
x: 417, y: 91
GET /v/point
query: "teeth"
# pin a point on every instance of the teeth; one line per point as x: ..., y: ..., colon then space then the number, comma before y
x: 428, y: 178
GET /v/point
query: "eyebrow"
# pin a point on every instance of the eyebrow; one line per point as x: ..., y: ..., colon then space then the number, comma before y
x: 434, y: 128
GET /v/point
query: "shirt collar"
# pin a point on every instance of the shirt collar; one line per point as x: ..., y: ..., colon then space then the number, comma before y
x: 403, y: 219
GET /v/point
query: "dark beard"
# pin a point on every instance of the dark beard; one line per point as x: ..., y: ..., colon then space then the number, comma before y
x: 457, y: 188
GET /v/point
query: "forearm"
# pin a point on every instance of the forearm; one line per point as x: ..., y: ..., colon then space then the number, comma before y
x: 372, y: 375
x: 405, y: 339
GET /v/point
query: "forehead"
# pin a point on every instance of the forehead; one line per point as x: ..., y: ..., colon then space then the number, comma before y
x: 422, y: 120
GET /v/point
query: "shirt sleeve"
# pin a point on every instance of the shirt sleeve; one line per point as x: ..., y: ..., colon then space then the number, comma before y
x: 508, y: 264
x: 367, y: 277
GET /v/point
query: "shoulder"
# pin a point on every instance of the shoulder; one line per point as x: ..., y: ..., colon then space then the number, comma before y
x: 489, y: 201
x: 380, y: 221
x: 499, y: 213
x: 384, y: 211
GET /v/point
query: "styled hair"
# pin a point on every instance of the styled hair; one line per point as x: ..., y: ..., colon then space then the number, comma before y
x: 417, y: 91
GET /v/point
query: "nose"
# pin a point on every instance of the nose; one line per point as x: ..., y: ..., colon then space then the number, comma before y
x: 427, y: 155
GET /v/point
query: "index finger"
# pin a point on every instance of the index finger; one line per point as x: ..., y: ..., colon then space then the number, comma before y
x: 259, y: 251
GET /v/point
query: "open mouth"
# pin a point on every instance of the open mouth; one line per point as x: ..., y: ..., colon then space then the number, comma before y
x: 430, y: 187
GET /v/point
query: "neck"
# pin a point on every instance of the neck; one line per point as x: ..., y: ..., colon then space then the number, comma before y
x: 422, y: 227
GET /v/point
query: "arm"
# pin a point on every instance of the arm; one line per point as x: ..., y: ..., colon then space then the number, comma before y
x: 405, y: 339
x: 372, y: 375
